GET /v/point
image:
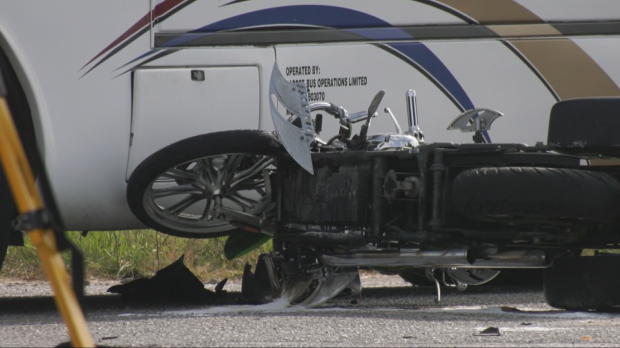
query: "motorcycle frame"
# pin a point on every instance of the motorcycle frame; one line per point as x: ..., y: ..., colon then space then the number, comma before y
x: 438, y: 164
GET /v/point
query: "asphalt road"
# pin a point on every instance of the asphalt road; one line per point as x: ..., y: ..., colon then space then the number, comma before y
x: 390, y: 314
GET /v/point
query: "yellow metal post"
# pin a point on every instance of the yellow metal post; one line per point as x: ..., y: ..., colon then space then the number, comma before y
x: 20, y: 179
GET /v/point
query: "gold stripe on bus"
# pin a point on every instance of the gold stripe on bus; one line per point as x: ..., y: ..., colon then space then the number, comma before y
x: 524, y: 30
x: 493, y: 11
x: 570, y: 71
x: 564, y: 66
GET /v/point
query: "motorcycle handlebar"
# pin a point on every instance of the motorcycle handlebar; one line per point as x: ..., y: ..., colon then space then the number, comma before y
x: 336, y: 112
x: 327, y: 107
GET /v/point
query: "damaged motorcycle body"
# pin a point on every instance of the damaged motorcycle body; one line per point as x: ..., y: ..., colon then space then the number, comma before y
x: 392, y: 202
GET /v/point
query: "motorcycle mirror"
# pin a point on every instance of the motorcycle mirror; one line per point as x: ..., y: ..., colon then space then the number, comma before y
x: 374, y: 105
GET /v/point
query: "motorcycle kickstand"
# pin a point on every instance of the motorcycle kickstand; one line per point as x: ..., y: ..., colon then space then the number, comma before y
x: 431, y: 276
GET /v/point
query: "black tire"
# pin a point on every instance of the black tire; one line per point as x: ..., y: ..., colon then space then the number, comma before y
x: 20, y: 111
x: 7, y: 213
x: 583, y: 283
x: 252, y: 142
x: 536, y: 193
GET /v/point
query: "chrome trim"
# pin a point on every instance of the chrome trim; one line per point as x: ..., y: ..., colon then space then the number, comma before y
x: 406, y: 257
x: 398, y: 129
x: 412, y: 116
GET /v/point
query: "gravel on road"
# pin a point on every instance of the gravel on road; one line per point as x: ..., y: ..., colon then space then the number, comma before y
x: 391, y: 313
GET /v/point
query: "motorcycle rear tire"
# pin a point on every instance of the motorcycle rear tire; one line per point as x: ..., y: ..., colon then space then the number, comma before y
x: 536, y: 193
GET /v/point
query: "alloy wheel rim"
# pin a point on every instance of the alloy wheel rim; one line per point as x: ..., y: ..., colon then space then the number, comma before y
x: 183, y: 197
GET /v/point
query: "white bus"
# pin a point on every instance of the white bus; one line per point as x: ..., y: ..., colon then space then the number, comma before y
x: 99, y: 85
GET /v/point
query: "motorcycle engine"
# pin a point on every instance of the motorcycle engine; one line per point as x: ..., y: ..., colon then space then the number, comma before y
x: 339, y: 194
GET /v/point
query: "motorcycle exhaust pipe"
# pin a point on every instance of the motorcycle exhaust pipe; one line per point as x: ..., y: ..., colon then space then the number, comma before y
x: 455, y: 258
x: 404, y: 257
x: 513, y: 259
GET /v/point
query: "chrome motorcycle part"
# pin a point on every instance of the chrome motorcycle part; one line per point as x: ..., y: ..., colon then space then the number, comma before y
x: 404, y: 257
x: 359, y: 116
x: 391, y: 141
x: 329, y: 284
x: 475, y: 120
x: 430, y: 274
x: 514, y: 259
x: 296, y: 287
x: 294, y: 98
x: 455, y: 258
x: 412, y: 117
x: 336, y: 111
x: 398, y: 129
x: 455, y: 283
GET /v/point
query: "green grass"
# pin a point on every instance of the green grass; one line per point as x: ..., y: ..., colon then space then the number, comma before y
x: 122, y: 254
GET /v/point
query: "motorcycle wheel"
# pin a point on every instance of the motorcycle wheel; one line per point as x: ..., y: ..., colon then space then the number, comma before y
x: 173, y: 190
x: 535, y: 193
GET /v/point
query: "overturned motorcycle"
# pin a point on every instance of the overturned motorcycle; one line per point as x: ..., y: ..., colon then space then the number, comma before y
x: 393, y: 202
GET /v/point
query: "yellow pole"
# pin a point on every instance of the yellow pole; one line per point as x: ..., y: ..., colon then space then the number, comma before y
x: 20, y: 179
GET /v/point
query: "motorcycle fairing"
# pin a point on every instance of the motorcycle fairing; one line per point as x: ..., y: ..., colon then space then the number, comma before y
x: 294, y: 98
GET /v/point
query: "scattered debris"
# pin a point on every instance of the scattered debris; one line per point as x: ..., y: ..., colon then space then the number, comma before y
x: 489, y: 331
x: 260, y: 286
x: 109, y: 338
x: 173, y: 282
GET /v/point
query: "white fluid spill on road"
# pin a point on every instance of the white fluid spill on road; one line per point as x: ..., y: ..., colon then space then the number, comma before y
x: 280, y: 305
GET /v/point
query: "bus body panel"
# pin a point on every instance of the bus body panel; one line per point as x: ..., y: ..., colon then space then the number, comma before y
x: 79, y: 63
